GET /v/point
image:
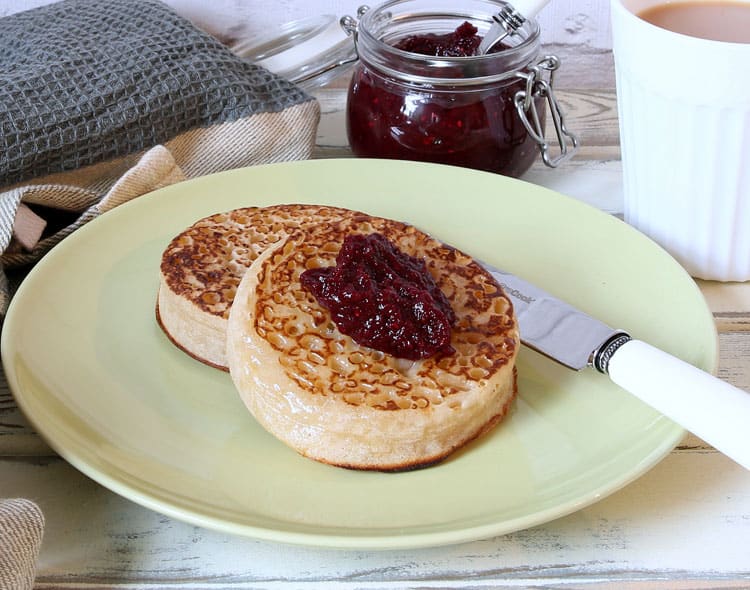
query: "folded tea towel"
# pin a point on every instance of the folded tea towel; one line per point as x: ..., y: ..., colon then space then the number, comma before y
x: 88, y: 88
x: 21, y: 527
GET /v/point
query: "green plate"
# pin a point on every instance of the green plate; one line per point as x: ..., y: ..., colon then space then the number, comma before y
x: 101, y: 383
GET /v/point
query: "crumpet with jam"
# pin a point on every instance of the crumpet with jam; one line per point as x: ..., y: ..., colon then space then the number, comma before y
x: 367, y: 344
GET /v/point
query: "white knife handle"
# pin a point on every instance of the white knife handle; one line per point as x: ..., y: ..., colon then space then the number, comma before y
x: 529, y: 8
x: 710, y: 408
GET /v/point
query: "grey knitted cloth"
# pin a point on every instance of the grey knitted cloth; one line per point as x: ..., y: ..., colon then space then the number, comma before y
x: 104, y: 100
x: 84, y: 80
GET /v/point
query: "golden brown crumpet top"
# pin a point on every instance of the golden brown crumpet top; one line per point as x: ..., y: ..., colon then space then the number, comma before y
x: 202, y: 267
x: 341, y: 403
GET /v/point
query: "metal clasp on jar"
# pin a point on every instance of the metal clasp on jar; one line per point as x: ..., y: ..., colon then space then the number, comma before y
x: 349, y: 24
x: 540, y: 86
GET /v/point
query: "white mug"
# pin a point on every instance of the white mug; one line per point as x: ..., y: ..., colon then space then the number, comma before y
x: 684, y: 109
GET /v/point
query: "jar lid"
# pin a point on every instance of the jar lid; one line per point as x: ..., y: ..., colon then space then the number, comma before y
x: 309, y: 52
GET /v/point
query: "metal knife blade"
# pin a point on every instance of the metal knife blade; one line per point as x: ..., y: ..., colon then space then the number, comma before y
x: 711, y: 408
x: 553, y: 327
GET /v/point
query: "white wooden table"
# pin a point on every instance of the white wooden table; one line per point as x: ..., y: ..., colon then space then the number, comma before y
x: 684, y: 524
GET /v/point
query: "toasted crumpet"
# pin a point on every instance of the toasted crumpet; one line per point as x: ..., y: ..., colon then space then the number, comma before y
x: 341, y: 403
x: 203, y: 265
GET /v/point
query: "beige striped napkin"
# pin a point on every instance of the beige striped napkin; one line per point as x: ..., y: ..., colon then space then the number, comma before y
x: 21, y: 528
x: 85, y: 194
x: 88, y: 192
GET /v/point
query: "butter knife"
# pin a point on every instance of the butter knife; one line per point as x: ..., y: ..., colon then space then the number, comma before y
x: 710, y: 408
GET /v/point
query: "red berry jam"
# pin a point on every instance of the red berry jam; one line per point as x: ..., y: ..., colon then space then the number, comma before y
x: 462, y: 42
x: 384, y: 299
x: 474, y: 125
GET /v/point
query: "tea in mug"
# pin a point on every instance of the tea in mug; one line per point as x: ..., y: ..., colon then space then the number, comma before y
x: 717, y: 21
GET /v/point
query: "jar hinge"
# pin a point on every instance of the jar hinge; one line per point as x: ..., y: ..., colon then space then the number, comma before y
x: 538, y: 86
x: 350, y: 25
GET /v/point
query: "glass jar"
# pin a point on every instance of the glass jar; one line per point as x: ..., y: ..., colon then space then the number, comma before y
x: 485, y: 112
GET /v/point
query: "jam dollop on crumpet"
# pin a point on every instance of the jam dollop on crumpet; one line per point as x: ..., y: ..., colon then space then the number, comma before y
x: 383, y: 298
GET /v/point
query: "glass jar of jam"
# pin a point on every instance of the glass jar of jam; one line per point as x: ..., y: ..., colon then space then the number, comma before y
x: 478, y: 111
